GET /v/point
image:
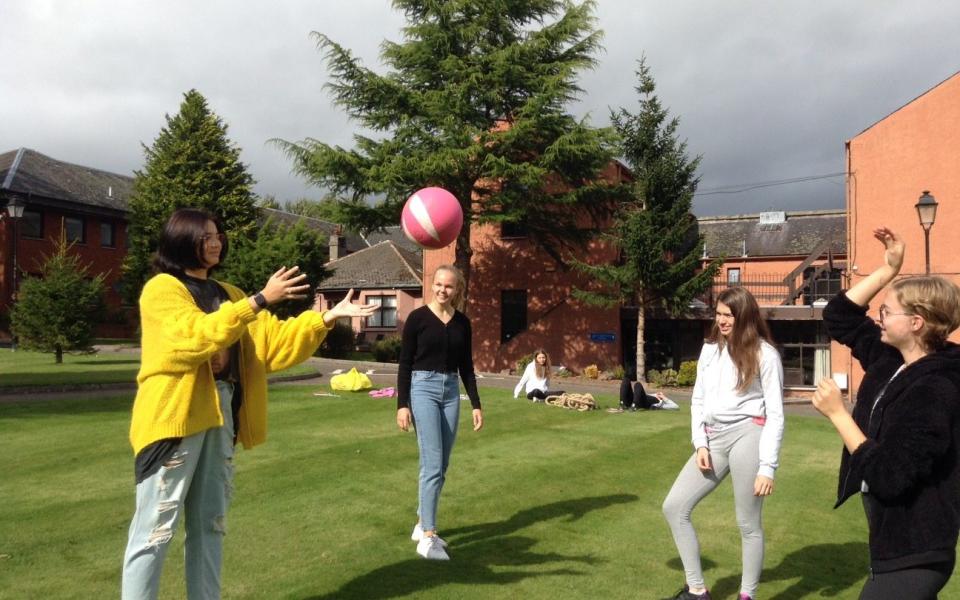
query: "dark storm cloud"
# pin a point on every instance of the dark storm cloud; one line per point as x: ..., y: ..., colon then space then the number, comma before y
x: 765, y: 91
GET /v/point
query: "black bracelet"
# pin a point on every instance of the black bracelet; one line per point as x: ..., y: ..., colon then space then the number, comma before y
x: 260, y: 300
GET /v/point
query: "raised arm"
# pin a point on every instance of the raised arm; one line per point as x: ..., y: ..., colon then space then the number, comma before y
x: 863, y: 291
x: 845, y: 315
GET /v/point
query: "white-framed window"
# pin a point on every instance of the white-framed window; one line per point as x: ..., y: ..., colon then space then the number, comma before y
x: 733, y: 276
x: 386, y: 315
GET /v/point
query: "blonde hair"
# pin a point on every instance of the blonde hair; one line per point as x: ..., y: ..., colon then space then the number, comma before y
x: 935, y: 299
x: 461, y: 285
x: 543, y: 371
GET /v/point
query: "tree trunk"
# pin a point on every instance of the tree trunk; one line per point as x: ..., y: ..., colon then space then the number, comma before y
x: 641, y: 362
x: 462, y: 260
x: 58, y: 349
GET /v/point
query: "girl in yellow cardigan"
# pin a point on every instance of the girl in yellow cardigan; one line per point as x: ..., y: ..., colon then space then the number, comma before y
x: 206, y: 350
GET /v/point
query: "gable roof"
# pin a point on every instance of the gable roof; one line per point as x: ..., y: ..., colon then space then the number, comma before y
x: 48, y: 181
x: 384, y: 265
x: 888, y: 115
x: 351, y: 241
x: 394, y: 234
x: 798, y: 235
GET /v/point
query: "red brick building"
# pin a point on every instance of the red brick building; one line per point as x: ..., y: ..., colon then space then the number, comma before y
x: 890, y: 164
x: 520, y: 299
x: 87, y: 205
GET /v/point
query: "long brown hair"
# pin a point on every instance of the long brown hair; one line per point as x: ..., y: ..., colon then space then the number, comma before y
x: 749, y: 330
x: 543, y: 372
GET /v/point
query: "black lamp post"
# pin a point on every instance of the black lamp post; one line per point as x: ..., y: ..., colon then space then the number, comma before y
x: 927, y: 211
x: 15, y: 209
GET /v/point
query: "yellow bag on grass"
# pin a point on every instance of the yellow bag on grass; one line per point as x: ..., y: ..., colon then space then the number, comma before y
x: 351, y: 381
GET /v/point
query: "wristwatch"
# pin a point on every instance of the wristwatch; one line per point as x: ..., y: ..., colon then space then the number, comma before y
x: 260, y: 300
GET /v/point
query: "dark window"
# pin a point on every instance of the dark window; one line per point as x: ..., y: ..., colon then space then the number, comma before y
x: 733, y: 276
x: 513, y: 313
x: 804, y: 350
x: 516, y: 229
x: 31, y: 224
x: 824, y: 286
x: 75, y: 230
x: 107, y: 235
x: 386, y: 316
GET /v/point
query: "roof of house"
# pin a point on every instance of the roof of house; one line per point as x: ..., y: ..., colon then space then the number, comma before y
x: 384, y: 265
x: 46, y: 180
x: 352, y: 241
x: 774, y: 234
x: 394, y: 234
x: 921, y: 95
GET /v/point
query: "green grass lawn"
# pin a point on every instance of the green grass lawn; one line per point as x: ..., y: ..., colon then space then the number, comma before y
x: 543, y: 503
x: 22, y: 368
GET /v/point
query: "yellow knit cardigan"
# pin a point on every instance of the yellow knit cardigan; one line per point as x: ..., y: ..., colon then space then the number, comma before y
x: 176, y: 394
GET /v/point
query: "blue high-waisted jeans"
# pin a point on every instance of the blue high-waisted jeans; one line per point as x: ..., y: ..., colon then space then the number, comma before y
x: 435, y: 403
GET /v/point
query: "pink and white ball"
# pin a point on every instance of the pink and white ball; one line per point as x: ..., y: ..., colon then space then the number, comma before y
x: 432, y: 218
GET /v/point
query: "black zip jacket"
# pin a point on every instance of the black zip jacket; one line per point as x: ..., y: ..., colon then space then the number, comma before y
x: 911, y: 458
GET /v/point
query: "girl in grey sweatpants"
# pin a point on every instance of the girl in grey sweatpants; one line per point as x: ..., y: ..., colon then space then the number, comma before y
x: 737, y: 426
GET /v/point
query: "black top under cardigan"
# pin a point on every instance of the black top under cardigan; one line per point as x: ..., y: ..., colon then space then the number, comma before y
x: 911, y: 456
x: 429, y: 344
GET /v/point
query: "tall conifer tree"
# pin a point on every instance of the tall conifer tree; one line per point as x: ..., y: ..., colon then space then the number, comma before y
x: 660, y: 247
x: 474, y: 100
x: 191, y: 163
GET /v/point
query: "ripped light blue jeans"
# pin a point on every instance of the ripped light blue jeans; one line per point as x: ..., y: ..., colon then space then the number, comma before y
x: 196, y: 482
x: 435, y: 403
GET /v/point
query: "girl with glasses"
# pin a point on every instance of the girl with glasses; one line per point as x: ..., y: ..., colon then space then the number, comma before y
x: 206, y: 350
x: 902, y: 443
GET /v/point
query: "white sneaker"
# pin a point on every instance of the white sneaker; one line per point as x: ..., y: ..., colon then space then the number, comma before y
x: 430, y: 548
x: 417, y: 535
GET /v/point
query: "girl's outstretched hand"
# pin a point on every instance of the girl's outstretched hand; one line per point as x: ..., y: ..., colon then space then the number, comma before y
x: 345, y: 308
x: 285, y: 284
x: 893, y: 243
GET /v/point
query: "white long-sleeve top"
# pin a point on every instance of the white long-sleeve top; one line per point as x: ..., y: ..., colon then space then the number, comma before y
x: 531, y: 380
x: 716, y: 402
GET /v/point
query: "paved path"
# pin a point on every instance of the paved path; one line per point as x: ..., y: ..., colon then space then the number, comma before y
x: 382, y: 375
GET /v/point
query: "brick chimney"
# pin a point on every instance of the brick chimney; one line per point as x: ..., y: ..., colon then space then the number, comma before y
x: 336, y: 242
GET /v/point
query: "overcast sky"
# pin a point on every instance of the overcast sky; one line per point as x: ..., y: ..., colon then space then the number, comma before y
x: 766, y: 90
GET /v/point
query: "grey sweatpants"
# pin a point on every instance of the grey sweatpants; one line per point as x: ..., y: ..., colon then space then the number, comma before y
x: 733, y: 450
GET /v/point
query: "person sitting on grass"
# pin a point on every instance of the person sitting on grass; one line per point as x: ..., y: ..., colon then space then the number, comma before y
x: 536, y: 378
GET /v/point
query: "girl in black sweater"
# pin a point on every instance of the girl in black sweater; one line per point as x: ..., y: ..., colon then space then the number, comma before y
x: 435, y: 355
x: 902, y: 443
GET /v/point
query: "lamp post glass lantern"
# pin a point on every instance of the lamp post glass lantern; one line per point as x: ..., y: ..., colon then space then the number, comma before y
x: 927, y: 212
x: 15, y: 207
